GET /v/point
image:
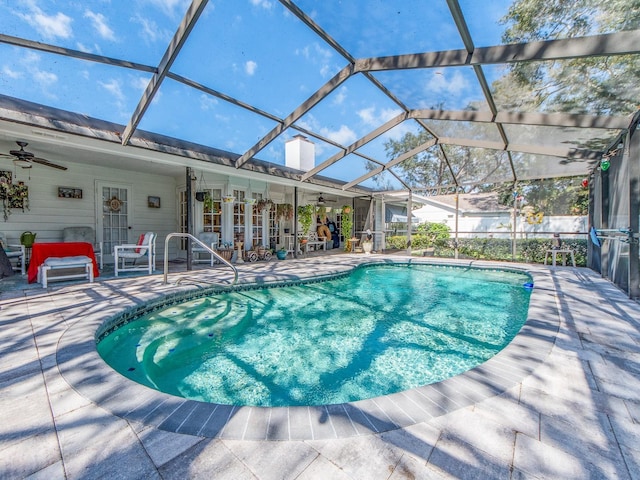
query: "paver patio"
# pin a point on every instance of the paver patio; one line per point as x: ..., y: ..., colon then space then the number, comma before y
x: 570, y: 407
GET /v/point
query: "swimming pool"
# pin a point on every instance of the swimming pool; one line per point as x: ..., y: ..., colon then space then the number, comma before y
x: 379, y: 330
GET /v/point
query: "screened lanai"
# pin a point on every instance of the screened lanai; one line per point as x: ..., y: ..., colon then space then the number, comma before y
x: 401, y: 98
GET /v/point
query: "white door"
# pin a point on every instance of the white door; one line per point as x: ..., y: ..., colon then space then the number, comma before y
x: 113, y: 202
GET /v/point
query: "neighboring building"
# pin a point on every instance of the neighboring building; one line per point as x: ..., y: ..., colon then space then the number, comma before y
x: 480, y: 214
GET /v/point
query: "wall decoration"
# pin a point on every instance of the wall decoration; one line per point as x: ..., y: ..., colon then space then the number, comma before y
x: 114, y: 204
x: 12, y: 196
x: 153, y: 202
x: 69, y: 192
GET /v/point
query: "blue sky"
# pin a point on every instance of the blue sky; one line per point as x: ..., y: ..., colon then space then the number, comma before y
x: 253, y: 50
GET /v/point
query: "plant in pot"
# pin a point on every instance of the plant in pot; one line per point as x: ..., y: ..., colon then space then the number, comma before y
x: 208, y: 202
x: 305, y: 217
x: 264, y: 204
x: 347, y: 226
x: 284, y: 211
x: 367, y: 244
x: 281, y: 253
x: 321, y: 211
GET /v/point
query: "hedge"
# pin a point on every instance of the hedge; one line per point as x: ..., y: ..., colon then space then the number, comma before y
x: 530, y: 250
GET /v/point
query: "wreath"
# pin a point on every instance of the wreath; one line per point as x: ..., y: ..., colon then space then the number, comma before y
x: 115, y: 204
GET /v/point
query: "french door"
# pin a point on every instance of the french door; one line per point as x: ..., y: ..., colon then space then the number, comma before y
x: 113, y: 205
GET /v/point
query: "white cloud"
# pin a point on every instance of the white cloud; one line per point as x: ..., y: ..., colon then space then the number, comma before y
x: 99, y: 23
x: 140, y: 83
x: 344, y: 135
x: 50, y: 26
x: 340, y: 96
x: 250, y: 67
x: 6, y: 71
x: 317, y: 55
x: 114, y: 87
x: 371, y: 118
x: 45, y: 79
x: 207, y: 102
x: 266, y: 4
x: 440, y: 83
x: 150, y: 31
x: 171, y: 8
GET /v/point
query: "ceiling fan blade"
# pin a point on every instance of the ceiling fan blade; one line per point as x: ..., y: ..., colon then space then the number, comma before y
x: 6, y: 155
x: 47, y: 163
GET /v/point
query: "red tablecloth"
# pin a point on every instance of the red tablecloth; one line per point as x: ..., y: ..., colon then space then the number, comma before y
x: 41, y: 251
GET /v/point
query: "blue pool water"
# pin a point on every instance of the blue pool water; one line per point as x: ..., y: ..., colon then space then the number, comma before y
x: 380, y: 330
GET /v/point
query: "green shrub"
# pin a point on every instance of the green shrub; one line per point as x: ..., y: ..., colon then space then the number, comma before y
x: 531, y: 250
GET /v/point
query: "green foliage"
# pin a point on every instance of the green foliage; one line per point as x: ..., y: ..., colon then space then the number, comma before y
x: 595, y: 85
x: 498, y: 249
x: 347, y: 224
x: 558, y: 196
x: 305, y: 217
x: 435, y: 233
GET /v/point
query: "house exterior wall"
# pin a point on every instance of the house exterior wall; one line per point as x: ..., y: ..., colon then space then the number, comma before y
x: 48, y: 215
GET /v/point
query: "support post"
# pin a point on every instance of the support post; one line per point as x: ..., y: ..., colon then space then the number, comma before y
x: 455, y: 241
x: 189, y: 212
x: 409, y: 209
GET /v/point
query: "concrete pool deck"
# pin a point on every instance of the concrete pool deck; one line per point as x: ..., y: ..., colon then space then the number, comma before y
x: 561, y: 401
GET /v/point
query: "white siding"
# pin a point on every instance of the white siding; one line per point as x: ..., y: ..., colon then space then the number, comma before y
x: 48, y: 214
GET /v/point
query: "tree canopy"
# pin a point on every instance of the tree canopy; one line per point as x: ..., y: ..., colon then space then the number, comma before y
x: 592, y: 85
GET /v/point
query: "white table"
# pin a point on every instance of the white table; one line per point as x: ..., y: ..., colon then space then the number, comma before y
x: 564, y: 252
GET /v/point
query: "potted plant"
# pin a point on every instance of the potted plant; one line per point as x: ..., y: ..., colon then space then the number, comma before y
x: 284, y: 211
x: 367, y: 244
x: 264, y: 204
x: 281, y: 253
x: 321, y: 211
x: 305, y: 217
x: 347, y: 226
x: 208, y: 202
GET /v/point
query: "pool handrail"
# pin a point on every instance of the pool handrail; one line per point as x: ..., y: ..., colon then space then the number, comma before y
x: 206, y: 247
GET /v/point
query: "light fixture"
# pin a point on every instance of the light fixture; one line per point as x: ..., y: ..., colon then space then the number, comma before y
x: 22, y: 163
x: 320, y: 200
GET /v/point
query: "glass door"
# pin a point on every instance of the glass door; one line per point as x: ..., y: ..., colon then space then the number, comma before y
x: 114, y: 216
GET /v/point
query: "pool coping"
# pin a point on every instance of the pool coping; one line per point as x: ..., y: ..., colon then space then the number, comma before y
x: 83, y: 368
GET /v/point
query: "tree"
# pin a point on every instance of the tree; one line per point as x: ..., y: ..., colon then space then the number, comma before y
x: 558, y: 196
x: 594, y: 85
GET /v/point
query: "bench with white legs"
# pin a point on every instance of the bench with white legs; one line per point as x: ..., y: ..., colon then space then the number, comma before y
x: 79, y: 266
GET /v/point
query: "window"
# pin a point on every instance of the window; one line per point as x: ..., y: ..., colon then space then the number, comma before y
x: 212, y: 211
x: 238, y: 215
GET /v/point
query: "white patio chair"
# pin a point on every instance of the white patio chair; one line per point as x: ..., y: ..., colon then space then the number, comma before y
x: 211, y: 240
x: 15, y: 252
x: 84, y: 234
x: 144, y: 251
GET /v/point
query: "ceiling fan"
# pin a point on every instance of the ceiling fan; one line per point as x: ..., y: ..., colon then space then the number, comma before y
x: 23, y: 159
x: 323, y: 200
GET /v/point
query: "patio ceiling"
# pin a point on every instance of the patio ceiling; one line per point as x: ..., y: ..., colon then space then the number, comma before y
x: 228, y: 83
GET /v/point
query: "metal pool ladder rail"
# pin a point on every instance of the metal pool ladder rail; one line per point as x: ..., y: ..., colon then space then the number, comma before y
x: 206, y: 247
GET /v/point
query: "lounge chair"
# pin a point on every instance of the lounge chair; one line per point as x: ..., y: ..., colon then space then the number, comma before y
x: 15, y: 252
x: 144, y: 251
x: 84, y: 234
x: 210, y: 239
